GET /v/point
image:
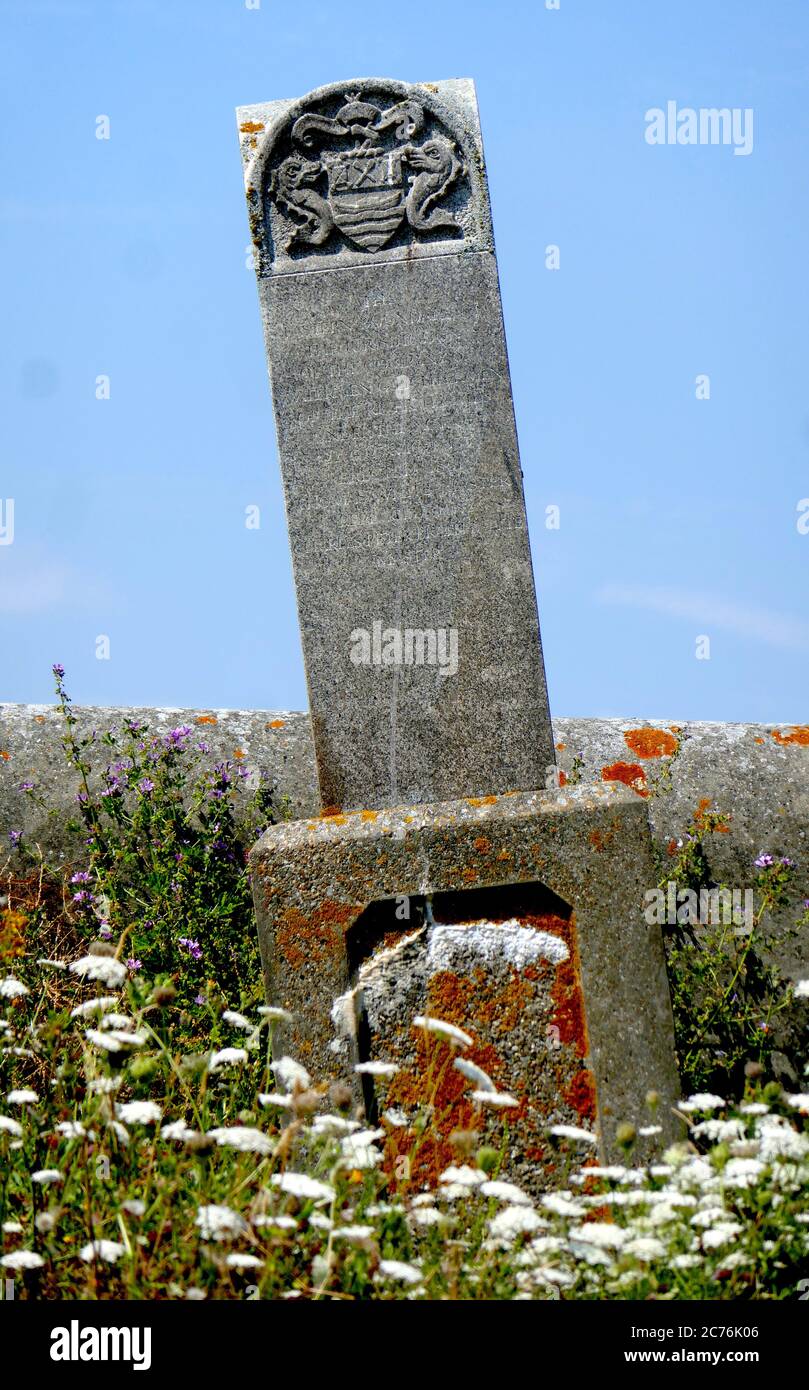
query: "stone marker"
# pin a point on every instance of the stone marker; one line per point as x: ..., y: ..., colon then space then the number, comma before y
x: 381, y: 305
x: 439, y: 879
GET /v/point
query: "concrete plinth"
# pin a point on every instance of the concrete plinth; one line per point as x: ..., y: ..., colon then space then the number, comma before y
x: 518, y: 918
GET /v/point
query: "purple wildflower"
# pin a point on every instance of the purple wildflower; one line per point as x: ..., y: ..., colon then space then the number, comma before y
x: 104, y: 931
x: 26, y: 786
x: 133, y: 964
x: 58, y: 670
x: 199, y: 999
x: 81, y: 876
x: 15, y: 836
x: 202, y: 747
x: 191, y: 946
x: 764, y: 861
x: 82, y: 897
x: 788, y: 863
x: 146, y: 785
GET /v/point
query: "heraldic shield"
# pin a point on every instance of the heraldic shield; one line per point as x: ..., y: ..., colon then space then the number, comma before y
x: 367, y: 191
x: 367, y: 195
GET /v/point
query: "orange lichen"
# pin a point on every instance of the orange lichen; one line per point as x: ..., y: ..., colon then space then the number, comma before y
x: 370, y: 815
x: 275, y: 724
x: 562, y: 779
x: 631, y: 774
x: 560, y: 747
x: 799, y: 733
x: 206, y: 719
x: 651, y: 743
x: 239, y: 753
x: 4, y: 755
x: 251, y: 127
x: 703, y: 808
x: 758, y: 740
x: 335, y: 816
x: 316, y: 938
x: 481, y: 800
x: 581, y: 1094
x: 482, y: 845
x: 566, y: 993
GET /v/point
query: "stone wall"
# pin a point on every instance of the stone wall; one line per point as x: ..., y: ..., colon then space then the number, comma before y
x: 758, y: 773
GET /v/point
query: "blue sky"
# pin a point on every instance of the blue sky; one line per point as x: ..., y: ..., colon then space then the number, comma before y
x: 126, y: 257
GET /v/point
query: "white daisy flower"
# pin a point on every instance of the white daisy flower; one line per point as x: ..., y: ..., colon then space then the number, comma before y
x: 117, y: 1021
x: 134, y: 1206
x: 702, y: 1100
x: 12, y: 989
x: 273, y: 1014
x: 291, y: 1075
x: 801, y: 990
x: 115, y: 1041
x: 140, y: 1112
x: 22, y: 1259
x: 376, y: 1068
x: 44, y: 1176
x: 398, y: 1269
x: 320, y: 1221
x: 428, y: 1216
x: 333, y: 1126
x: 236, y: 1260
x: 505, y: 1192
x: 218, y: 1222
x: 12, y: 1228
x: 447, y: 1031
x: 236, y: 1020
x: 22, y: 1097
x: 579, y: 1136
x: 498, y: 1100
x: 720, y: 1234
x: 474, y: 1073
x: 268, y: 1098
x: 561, y: 1204
x: 799, y: 1102
x: 176, y: 1129
x: 306, y: 1188
x: 107, y: 1250
x: 359, y: 1151
x: 94, y: 1006
x: 105, y: 1085
x: 645, y: 1248
x: 74, y: 1129
x: 465, y: 1176
x: 243, y: 1138
x: 514, y: 1221
x: 106, y: 969
x: 227, y: 1057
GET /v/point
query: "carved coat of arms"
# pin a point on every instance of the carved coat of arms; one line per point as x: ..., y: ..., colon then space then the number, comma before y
x: 367, y: 190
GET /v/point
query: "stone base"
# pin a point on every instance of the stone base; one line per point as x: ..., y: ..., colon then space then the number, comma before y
x: 517, y: 918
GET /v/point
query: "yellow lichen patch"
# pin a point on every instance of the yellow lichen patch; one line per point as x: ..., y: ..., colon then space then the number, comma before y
x: 482, y: 800
x: 335, y: 817
x: 370, y: 815
x: 251, y: 127
x: 798, y: 733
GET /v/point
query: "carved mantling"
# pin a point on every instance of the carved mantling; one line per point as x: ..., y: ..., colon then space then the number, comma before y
x: 356, y: 172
